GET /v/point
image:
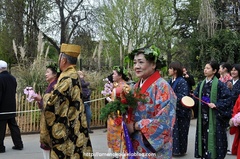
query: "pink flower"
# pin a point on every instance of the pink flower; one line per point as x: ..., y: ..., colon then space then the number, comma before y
x: 30, y: 93
x: 236, y: 119
x: 108, y: 87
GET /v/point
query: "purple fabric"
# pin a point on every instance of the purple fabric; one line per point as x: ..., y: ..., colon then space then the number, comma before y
x: 206, y: 99
x: 129, y: 145
x: 48, y: 90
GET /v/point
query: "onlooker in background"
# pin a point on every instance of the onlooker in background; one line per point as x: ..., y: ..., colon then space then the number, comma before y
x: 51, y: 77
x: 153, y: 120
x: 191, y: 82
x: 234, y: 86
x: 183, y: 114
x: 224, y: 71
x: 64, y: 112
x: 8, y: 85
x: 234, y: 83
x: 189, y: 78
x: 86, y: 95
x: 213, y: 115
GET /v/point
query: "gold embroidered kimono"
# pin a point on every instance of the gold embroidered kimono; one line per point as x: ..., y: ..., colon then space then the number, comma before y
x: 66, y: 120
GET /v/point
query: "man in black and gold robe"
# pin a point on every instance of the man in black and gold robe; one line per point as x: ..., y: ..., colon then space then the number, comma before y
x: 64, y: 113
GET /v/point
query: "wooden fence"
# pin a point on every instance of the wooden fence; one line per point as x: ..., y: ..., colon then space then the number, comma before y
x: 28, y: 114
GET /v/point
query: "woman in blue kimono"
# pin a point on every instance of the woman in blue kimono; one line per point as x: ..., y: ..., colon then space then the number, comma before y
x: 183, y: 114
x: 214, y: 112
x: 234, y: 83
x: 152, y: 121
x: 234, y: 86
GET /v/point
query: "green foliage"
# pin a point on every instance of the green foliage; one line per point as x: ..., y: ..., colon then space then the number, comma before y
x: 224, y: 46
x: 121, y: 104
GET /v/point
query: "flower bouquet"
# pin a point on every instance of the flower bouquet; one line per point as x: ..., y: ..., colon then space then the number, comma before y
x: 236, y: 119
x: 30, y: 93
x: 121, y: 109
x: 127, y: 100
x: 108, y: 87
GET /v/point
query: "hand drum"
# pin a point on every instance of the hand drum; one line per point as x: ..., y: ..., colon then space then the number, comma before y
x: 187, y: 102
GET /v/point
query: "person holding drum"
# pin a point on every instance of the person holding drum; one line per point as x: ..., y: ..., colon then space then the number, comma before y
x: 152, y: 121
x: 214, y: 113
x: 183, y: 114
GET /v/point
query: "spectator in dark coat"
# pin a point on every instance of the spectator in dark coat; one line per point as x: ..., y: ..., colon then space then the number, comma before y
x: 189, y: 78
x: 8, y: 87
x: 85, y: 95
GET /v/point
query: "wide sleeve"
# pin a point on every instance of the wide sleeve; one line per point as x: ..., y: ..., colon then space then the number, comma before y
x: 223, y: 103
x: 157, y: 126
x: 181, y: 90
x: 62, y: 107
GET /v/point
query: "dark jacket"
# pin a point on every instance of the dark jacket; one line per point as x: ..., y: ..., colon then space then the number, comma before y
x: 8, y: 85
x: 86, y: 92
x: 190, y: 81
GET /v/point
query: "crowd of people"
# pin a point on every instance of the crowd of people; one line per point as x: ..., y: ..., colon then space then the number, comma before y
x: 159, y: 125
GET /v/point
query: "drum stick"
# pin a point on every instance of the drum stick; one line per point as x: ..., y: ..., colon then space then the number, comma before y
x: 199, y: 99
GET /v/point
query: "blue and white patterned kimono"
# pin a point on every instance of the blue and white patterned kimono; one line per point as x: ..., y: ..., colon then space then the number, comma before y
x: 155, y: 118
x: 183, y: 117
x: 222, y: 115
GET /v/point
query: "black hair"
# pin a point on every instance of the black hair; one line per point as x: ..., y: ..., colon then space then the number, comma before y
x: 110, y: 78
x: 227, y: 66
x: 54, y: 68
x: 120, y: 72
x: 215, y: 66
x: 178, y: 67
x: 237, y: 67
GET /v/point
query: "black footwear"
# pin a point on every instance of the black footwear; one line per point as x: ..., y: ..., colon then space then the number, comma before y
x: 90, y: 131
x: 2, y: 150
x: 17, y: 147
x: 105, y: 130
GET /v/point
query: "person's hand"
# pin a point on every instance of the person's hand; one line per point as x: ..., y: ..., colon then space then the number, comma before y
x: 186, y: 75
x: 231, y: 122
x: 212, y: 105
x: 229, y: 85
x: 37, y: 98
x: 108, y: 99
x: 130, y: 127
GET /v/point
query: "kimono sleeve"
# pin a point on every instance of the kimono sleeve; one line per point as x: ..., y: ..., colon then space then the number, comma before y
x: 223, y: 103
x: 56, y: 102
x: 157, y: 127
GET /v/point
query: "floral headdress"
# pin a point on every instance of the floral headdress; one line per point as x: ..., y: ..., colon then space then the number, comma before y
x: 118, y: 69
x: 151, y: 51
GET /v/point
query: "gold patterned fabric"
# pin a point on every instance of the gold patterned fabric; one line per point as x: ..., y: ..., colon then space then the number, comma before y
x: 66, y: 120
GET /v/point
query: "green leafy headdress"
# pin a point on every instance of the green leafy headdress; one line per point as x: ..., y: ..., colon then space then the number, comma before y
x: 121, y: 70
x: 151, y: 53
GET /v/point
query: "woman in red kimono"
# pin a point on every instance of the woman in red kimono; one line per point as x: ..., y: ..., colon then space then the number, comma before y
x: 114, y: 126
x: 235, y: 130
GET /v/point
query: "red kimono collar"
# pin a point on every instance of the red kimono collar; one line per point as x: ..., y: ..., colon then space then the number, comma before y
x: 149, y: 81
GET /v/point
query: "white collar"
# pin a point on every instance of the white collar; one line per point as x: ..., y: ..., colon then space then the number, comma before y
x: 234, y: 81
